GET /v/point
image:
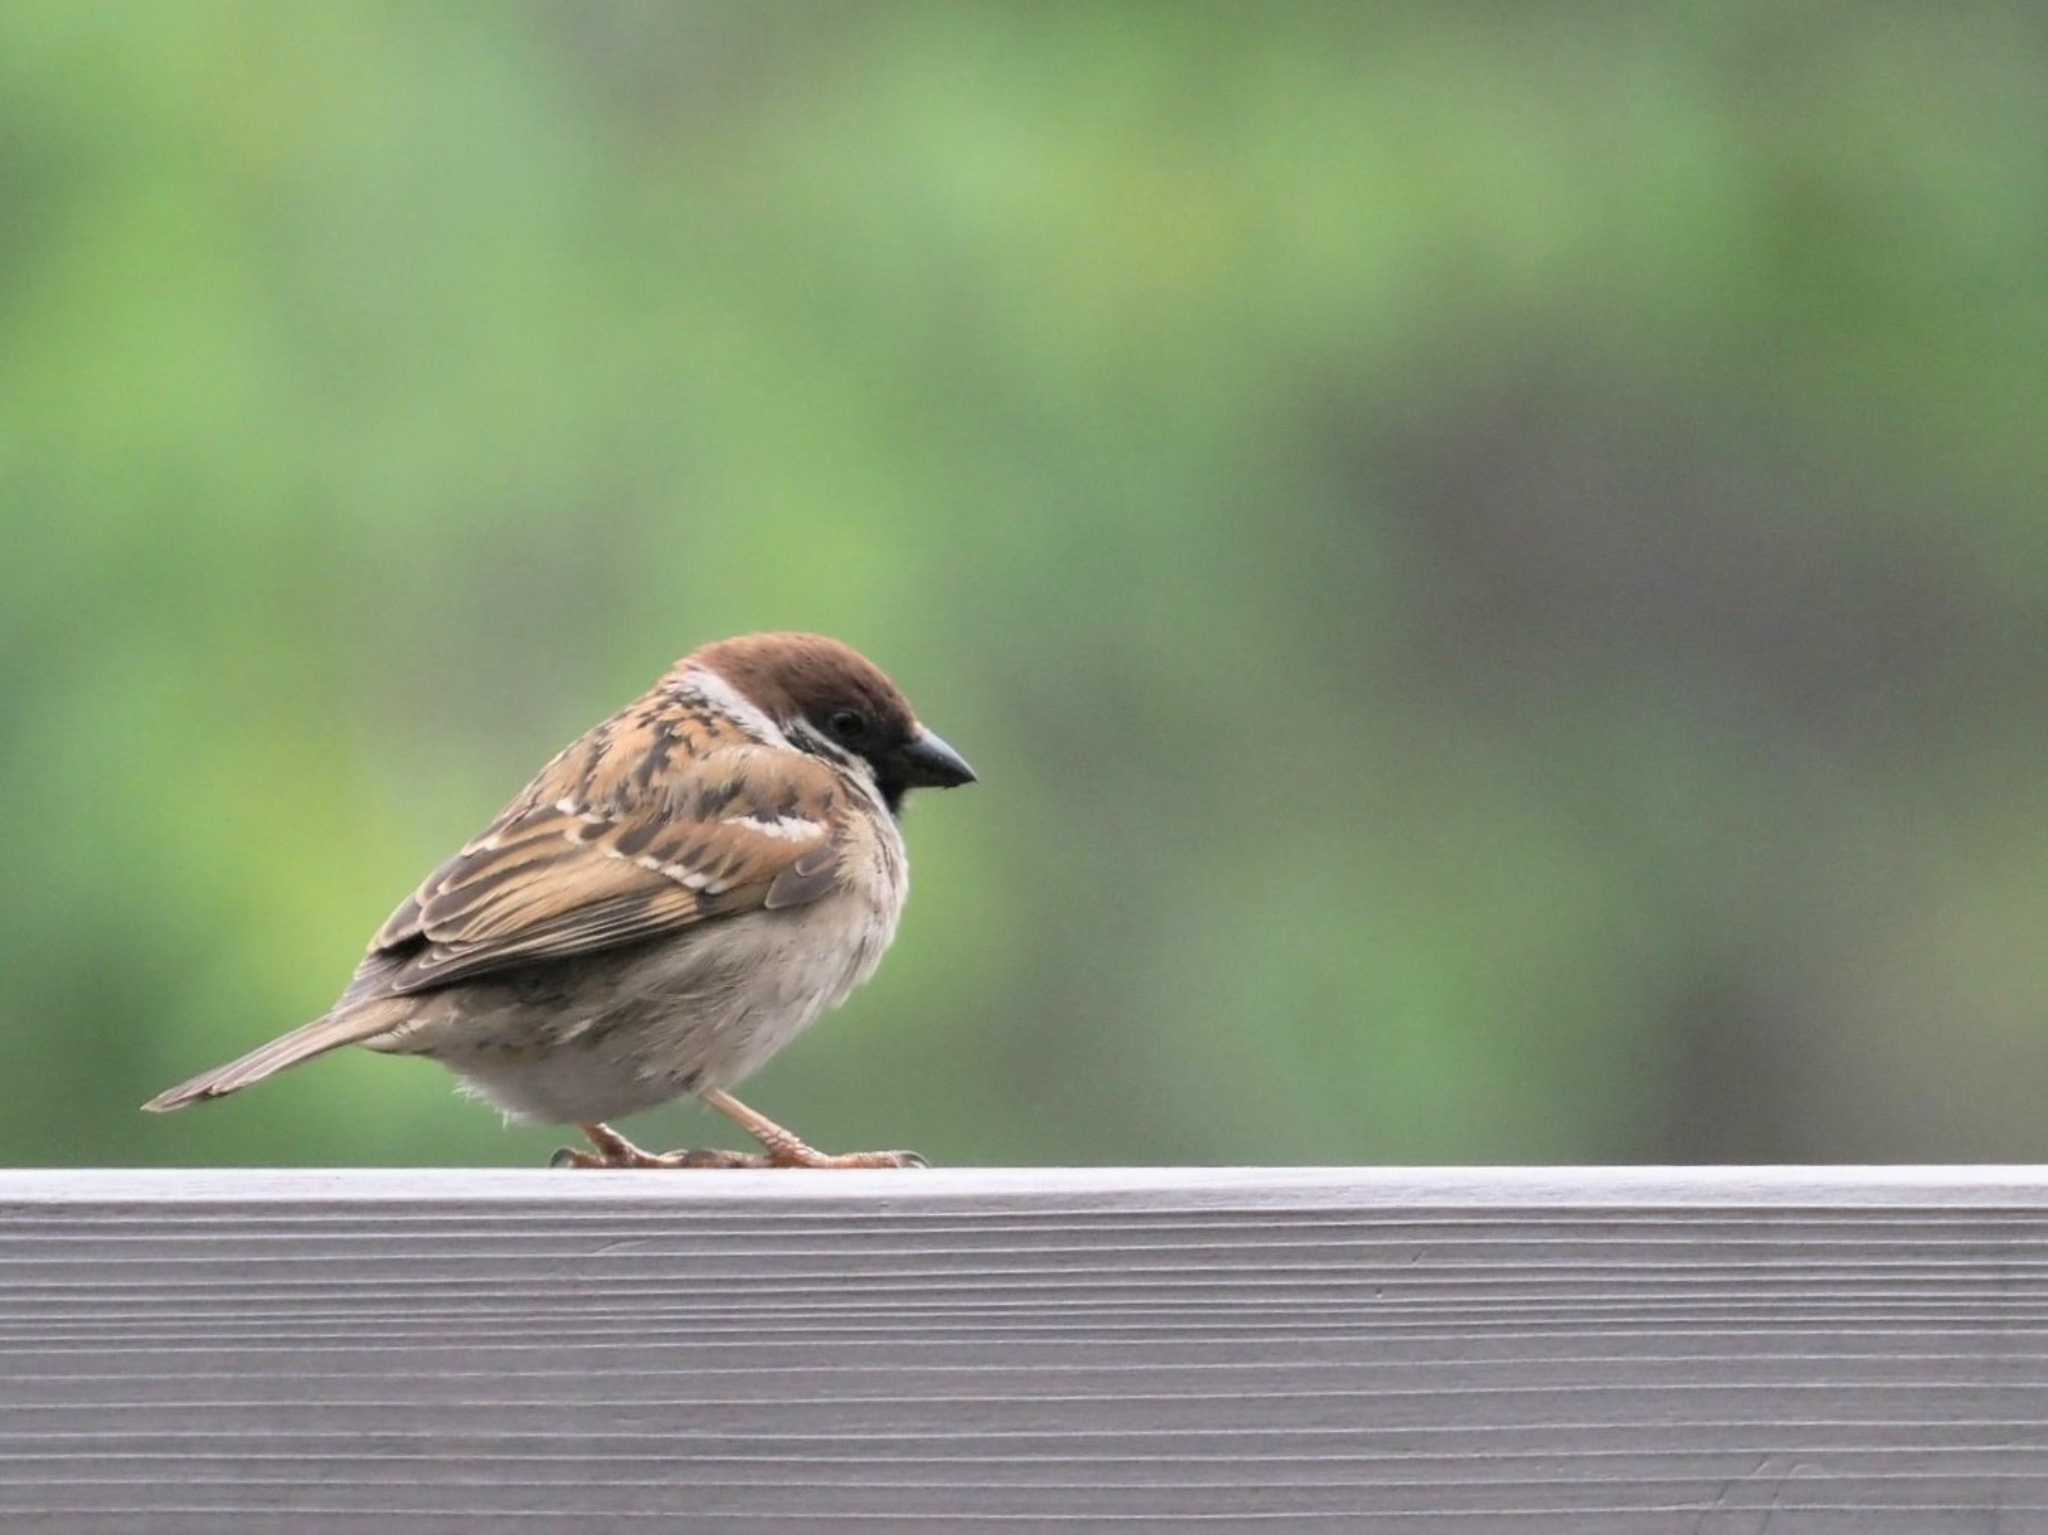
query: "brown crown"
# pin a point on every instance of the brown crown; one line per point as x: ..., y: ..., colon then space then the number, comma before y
x: 807, y: 675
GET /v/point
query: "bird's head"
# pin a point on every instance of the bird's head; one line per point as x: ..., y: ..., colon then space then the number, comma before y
x: 828, y: 699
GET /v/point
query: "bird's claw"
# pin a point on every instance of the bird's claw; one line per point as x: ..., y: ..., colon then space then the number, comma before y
x: 631, y: 1158
x: 710, y: 1158
x: 903, y: 1159
x: 852, y: 1160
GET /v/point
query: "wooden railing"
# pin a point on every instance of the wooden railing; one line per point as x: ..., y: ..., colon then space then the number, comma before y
x: 1709, y: 1351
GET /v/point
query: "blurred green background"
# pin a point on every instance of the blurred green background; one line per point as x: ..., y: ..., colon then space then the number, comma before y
x: 1492, y: 559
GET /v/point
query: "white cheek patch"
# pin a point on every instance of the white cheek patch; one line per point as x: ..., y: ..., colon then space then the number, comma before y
x: 805, y: 738
x: 729, y: 701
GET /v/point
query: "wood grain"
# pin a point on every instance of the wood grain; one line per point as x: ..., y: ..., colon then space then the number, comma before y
x: 1537, y: 1351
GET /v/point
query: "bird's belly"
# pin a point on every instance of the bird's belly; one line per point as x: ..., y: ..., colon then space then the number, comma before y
x: 633, y: 1028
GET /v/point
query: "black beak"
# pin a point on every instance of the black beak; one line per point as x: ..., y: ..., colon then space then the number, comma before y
x: 929, y: 763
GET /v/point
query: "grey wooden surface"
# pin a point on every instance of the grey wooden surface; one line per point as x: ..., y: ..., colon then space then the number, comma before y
x: 1717, y: 1352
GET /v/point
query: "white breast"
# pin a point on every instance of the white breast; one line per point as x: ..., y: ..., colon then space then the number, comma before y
x: 804, y: 966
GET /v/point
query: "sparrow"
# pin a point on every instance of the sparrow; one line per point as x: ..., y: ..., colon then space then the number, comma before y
x: 674, y: 898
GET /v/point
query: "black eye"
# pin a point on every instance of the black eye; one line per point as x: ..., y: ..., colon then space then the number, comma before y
x: 848, y: 724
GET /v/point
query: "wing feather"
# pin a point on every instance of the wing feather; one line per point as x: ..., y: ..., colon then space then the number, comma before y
x: 560, y: 873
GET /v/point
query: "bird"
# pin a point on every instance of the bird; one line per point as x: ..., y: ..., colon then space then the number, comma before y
x: 675, y: 897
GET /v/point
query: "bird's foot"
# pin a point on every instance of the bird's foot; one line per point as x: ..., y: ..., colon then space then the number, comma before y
x: 786, y: 1148
x: 613, y: 1150
x: 570, y: 1156
x: 805, y: 1156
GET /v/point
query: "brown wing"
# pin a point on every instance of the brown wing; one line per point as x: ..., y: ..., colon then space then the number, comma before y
x: 562, y: 873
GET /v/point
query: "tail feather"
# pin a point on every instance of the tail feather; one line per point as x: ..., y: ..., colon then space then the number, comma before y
x: 323, y: 1034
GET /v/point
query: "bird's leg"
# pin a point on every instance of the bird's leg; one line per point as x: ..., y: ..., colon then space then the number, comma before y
x: 614, y: 1150
x: 786, y: 1149
x: 783, y: 1148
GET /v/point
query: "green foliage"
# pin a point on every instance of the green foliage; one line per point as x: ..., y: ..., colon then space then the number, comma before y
x: 1492, y: 560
